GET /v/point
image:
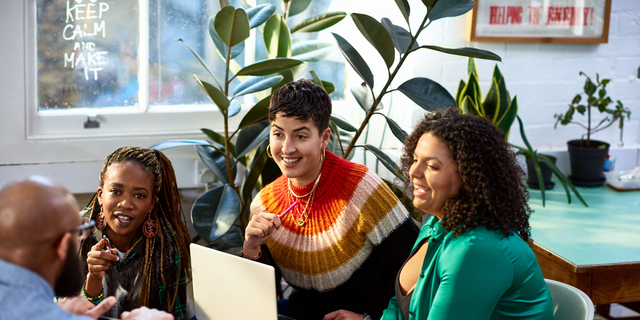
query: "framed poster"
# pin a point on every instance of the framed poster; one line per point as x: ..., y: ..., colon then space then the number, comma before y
x: 544, y: 21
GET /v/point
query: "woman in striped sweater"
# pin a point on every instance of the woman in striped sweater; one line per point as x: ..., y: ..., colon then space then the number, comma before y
x: 341, y: 246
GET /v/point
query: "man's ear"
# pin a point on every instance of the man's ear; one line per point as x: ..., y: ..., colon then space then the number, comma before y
x: 326, y: 134
x: 63, y: 245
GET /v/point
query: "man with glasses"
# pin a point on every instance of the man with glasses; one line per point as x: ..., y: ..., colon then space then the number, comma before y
x: 40, y: 227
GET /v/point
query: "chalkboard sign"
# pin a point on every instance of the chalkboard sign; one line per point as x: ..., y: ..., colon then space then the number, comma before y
x: 87, y: 53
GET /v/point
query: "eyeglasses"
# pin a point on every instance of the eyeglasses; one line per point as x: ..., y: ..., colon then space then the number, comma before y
x: 84, y: 229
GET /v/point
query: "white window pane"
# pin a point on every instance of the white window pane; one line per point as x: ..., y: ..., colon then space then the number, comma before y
x: 87, y: 54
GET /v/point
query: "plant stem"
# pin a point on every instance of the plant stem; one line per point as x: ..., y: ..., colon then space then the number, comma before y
x: 589, y: 123
x: 227, y: 153
x: 384, y: 89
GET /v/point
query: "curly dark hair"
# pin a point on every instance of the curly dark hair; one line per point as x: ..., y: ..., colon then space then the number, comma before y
x: 492, y: 192
x: 302, y: 100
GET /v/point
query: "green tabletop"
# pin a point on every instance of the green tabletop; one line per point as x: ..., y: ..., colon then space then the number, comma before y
x: 608, y: 231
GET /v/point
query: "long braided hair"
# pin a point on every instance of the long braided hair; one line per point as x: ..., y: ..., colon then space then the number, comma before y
x: 167, y: 212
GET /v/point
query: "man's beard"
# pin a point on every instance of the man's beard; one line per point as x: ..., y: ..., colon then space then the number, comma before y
x: 71, y: 279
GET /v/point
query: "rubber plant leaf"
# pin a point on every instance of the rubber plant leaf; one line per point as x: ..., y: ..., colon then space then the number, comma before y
x: 355, y: 60
x: 450, y: 8
x: 466, y: 52
x: 277, y: 38
x: 259, y: 14
x: 214, y: 159
x: 217, y: 96
x: 259, y: 112
x: 319, y: 22
x: 298, y: 6
x: 343, y: 124
x: 250, y: 137
x: 405, y: 9
x: 255, y: 84
x: 223, y: 49
x: 269, y: 66
x: 383, y: 157
x: 257, y: 165
x: 214, y: 213
x: 312, y: 50
x: 232, y: 25
x: 179, y: 143
x: 377, y: 36
x: 427, y: 93
x: 397, y: 131
x: 399, y: 35
x: 195, y: 54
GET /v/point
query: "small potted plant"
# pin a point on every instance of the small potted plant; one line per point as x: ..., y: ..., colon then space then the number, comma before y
x: 587, y: 156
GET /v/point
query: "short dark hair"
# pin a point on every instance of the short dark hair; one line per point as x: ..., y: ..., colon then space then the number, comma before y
x: 302, y: 100
x: 492, y: 193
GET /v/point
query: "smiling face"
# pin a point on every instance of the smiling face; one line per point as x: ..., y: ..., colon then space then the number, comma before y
x: 297, y: 148
x: 126, y: 197
x: 434, y: 174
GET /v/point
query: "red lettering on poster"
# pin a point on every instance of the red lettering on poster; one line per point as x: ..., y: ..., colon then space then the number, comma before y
x: 505, y: 15
x: 534, y: 15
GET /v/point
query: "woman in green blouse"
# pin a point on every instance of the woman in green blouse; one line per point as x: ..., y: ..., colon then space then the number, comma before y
x: 471, y: 259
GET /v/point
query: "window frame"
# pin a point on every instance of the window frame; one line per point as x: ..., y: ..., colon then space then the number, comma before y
x: 140, y: 120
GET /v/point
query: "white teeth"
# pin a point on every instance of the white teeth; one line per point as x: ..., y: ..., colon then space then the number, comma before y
x: 288, y: 160
x: 123, y: 218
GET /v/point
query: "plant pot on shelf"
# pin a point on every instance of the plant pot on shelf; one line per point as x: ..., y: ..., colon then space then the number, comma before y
x: 532, y: 178
x: 587, y: 162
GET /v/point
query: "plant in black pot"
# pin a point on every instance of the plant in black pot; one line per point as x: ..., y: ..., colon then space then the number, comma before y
x: 587, y: 156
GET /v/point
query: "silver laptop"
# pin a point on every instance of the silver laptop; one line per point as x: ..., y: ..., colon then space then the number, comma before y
x: 228, y: 287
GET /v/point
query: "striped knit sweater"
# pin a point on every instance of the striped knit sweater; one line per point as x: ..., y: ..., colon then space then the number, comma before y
x: 353, y: 213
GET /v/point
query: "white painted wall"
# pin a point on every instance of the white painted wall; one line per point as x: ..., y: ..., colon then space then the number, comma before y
x: 543, y: 76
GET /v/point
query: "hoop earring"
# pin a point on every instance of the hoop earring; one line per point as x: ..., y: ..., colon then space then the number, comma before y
x: 323, y: 156
x: 268, y: 154
x: 100, y: 224
x: 149, y: 228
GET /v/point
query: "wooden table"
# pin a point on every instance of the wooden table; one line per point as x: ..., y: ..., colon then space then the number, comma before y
x: 595, y: 249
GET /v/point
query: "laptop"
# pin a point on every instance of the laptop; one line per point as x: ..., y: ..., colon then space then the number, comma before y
x: 228, y: 287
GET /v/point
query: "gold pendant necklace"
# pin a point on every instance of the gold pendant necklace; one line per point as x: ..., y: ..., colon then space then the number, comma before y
x: 305, y: 214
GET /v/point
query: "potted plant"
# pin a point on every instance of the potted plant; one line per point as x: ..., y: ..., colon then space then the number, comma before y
x: 498, y: 107
x: 587, y: 156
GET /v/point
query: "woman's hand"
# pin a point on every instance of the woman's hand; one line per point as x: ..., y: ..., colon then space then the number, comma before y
x: 343, y: 315
x: 98, y: 261
x: 259, y: 230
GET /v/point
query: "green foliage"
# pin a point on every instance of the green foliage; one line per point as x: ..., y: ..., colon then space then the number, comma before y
x: 601, y: 102
x: 498, y: 107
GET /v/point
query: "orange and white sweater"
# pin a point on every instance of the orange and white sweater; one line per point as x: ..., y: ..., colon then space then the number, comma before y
x: 348, y: 252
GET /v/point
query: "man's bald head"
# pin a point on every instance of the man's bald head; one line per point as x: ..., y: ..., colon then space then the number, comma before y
x: 34, y: 211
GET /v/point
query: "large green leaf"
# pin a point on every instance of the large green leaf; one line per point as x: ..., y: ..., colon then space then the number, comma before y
x: 377, y: 35
x: 405, y: 9
x: 468, y: 106
x: 223, y: 49
x: 355, y: 60
x: 255, y: 84
x: 504, y: 123
x: 396, y: 129
x: 319, y: 23
x: 195, y: 54
x: 311, y: 51
x: 215, y: 160
x: 383, y: 157
x: 259, y: 112
x: 459, y: 95
x: 254, y: 172
x: 217, y: 96
x: 328, y: 86
x: 491, y: 103
x: 259, y: 14
x: 427, y: 93
x: 343, y: 124
x: 472, y: 91
x: 316, y: 79
x: 364, y: 97
x: 399, y: 35
x: 298, y: 6
x: 234, y: 109
x: 250, y: 137
x: 467, y: 52
x: 450, y: 8
x: 179, y: 143
x: 232, y: 25
x: 269, y: 66
x: 277, y: 38
x: 218, y: 140
x: 502, y: 89
x: 215, y: 212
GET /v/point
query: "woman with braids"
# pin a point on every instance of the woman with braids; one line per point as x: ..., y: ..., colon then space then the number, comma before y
x: 139, y: 250
x: 345, y: 239
x: 471, y: 259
